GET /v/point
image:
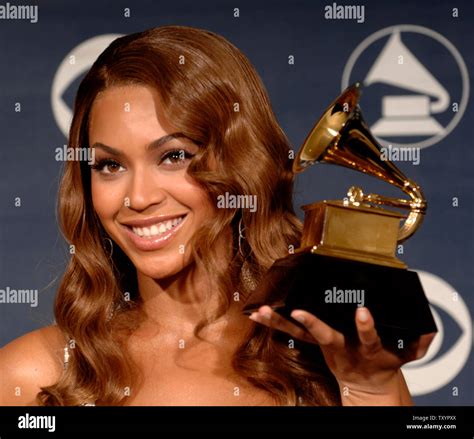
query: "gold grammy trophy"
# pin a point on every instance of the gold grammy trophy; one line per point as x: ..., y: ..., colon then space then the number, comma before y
x: 347, y: 253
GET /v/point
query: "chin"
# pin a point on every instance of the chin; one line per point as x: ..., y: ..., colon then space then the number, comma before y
x: 159, y: 268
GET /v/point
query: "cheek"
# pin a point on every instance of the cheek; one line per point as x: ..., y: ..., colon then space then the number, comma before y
x: 107, y: 199
x: 193, y: 196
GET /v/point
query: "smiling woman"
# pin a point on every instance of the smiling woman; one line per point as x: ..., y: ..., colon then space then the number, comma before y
x: 149, y: 311
x: 140, y: 189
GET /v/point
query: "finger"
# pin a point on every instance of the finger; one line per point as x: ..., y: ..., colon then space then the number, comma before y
x: 272, y: 319
x: 366, y: 331
x: 423, y: 344
x: 322, y: 333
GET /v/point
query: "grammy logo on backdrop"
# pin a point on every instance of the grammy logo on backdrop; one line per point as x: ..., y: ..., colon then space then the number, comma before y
x: 407, y: 115
x: 347, y: 253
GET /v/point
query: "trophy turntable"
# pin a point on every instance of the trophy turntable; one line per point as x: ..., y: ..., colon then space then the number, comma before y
x: 348, y: 246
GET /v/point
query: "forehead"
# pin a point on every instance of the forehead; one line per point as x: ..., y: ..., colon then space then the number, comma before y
x: 123, y: 111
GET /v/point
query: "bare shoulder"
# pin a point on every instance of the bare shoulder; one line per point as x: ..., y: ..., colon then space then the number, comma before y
x: 30, y: 362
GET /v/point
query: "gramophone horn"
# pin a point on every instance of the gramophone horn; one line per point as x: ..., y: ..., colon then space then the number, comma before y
x: 342, y: 137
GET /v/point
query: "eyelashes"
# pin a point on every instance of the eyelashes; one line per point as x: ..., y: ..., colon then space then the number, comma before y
x: 172, y: 159
x: 176, y: 156
x: 103, y: 166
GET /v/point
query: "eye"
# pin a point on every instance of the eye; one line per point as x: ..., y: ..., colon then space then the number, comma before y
x: 176, y: 157
x: 108, y: 166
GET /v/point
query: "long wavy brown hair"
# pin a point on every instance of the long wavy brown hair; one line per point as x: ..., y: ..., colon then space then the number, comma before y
x: 211, y: 93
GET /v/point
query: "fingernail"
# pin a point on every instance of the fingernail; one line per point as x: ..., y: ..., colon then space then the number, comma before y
x: 265, y: 314
x: 362, y: 314
x: 253, y: 316
x: 299, y: 318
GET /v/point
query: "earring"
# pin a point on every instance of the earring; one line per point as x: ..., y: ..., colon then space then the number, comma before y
x: 111, y: 312
x: 241, y: 237
x: 111, y: 245
x: 246, y: 275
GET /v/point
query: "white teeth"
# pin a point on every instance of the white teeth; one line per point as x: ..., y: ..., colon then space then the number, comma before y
x: 157, y: 229
x: 137, y: 231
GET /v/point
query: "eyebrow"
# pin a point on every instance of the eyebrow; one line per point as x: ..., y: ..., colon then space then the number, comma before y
x: 151, y: 147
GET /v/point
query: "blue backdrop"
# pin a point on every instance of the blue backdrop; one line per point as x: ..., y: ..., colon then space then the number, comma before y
x: 415, y: 59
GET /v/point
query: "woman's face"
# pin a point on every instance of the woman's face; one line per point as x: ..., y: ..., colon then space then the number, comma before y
x: 141, y: 191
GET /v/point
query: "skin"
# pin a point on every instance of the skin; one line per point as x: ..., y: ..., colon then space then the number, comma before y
x: 178, y: 368
x: 143, y: 184
x: 151, y: 182
x: 172, y: 287
x: 367, y: 373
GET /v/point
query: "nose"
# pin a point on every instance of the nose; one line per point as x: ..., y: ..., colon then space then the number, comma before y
x: 145, y: 190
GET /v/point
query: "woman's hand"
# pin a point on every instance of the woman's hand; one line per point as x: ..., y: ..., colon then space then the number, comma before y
x: 367, y: 373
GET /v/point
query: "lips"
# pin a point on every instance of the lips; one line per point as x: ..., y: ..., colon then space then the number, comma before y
x: 157, y: 229
x: 153, y: 233
x: 147, y: 222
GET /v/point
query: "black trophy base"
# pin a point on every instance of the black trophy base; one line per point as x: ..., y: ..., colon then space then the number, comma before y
x: 332, y: 289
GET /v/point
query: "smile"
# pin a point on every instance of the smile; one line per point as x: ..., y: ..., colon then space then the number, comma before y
x: 154, y: 233
x: 157, y: 229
